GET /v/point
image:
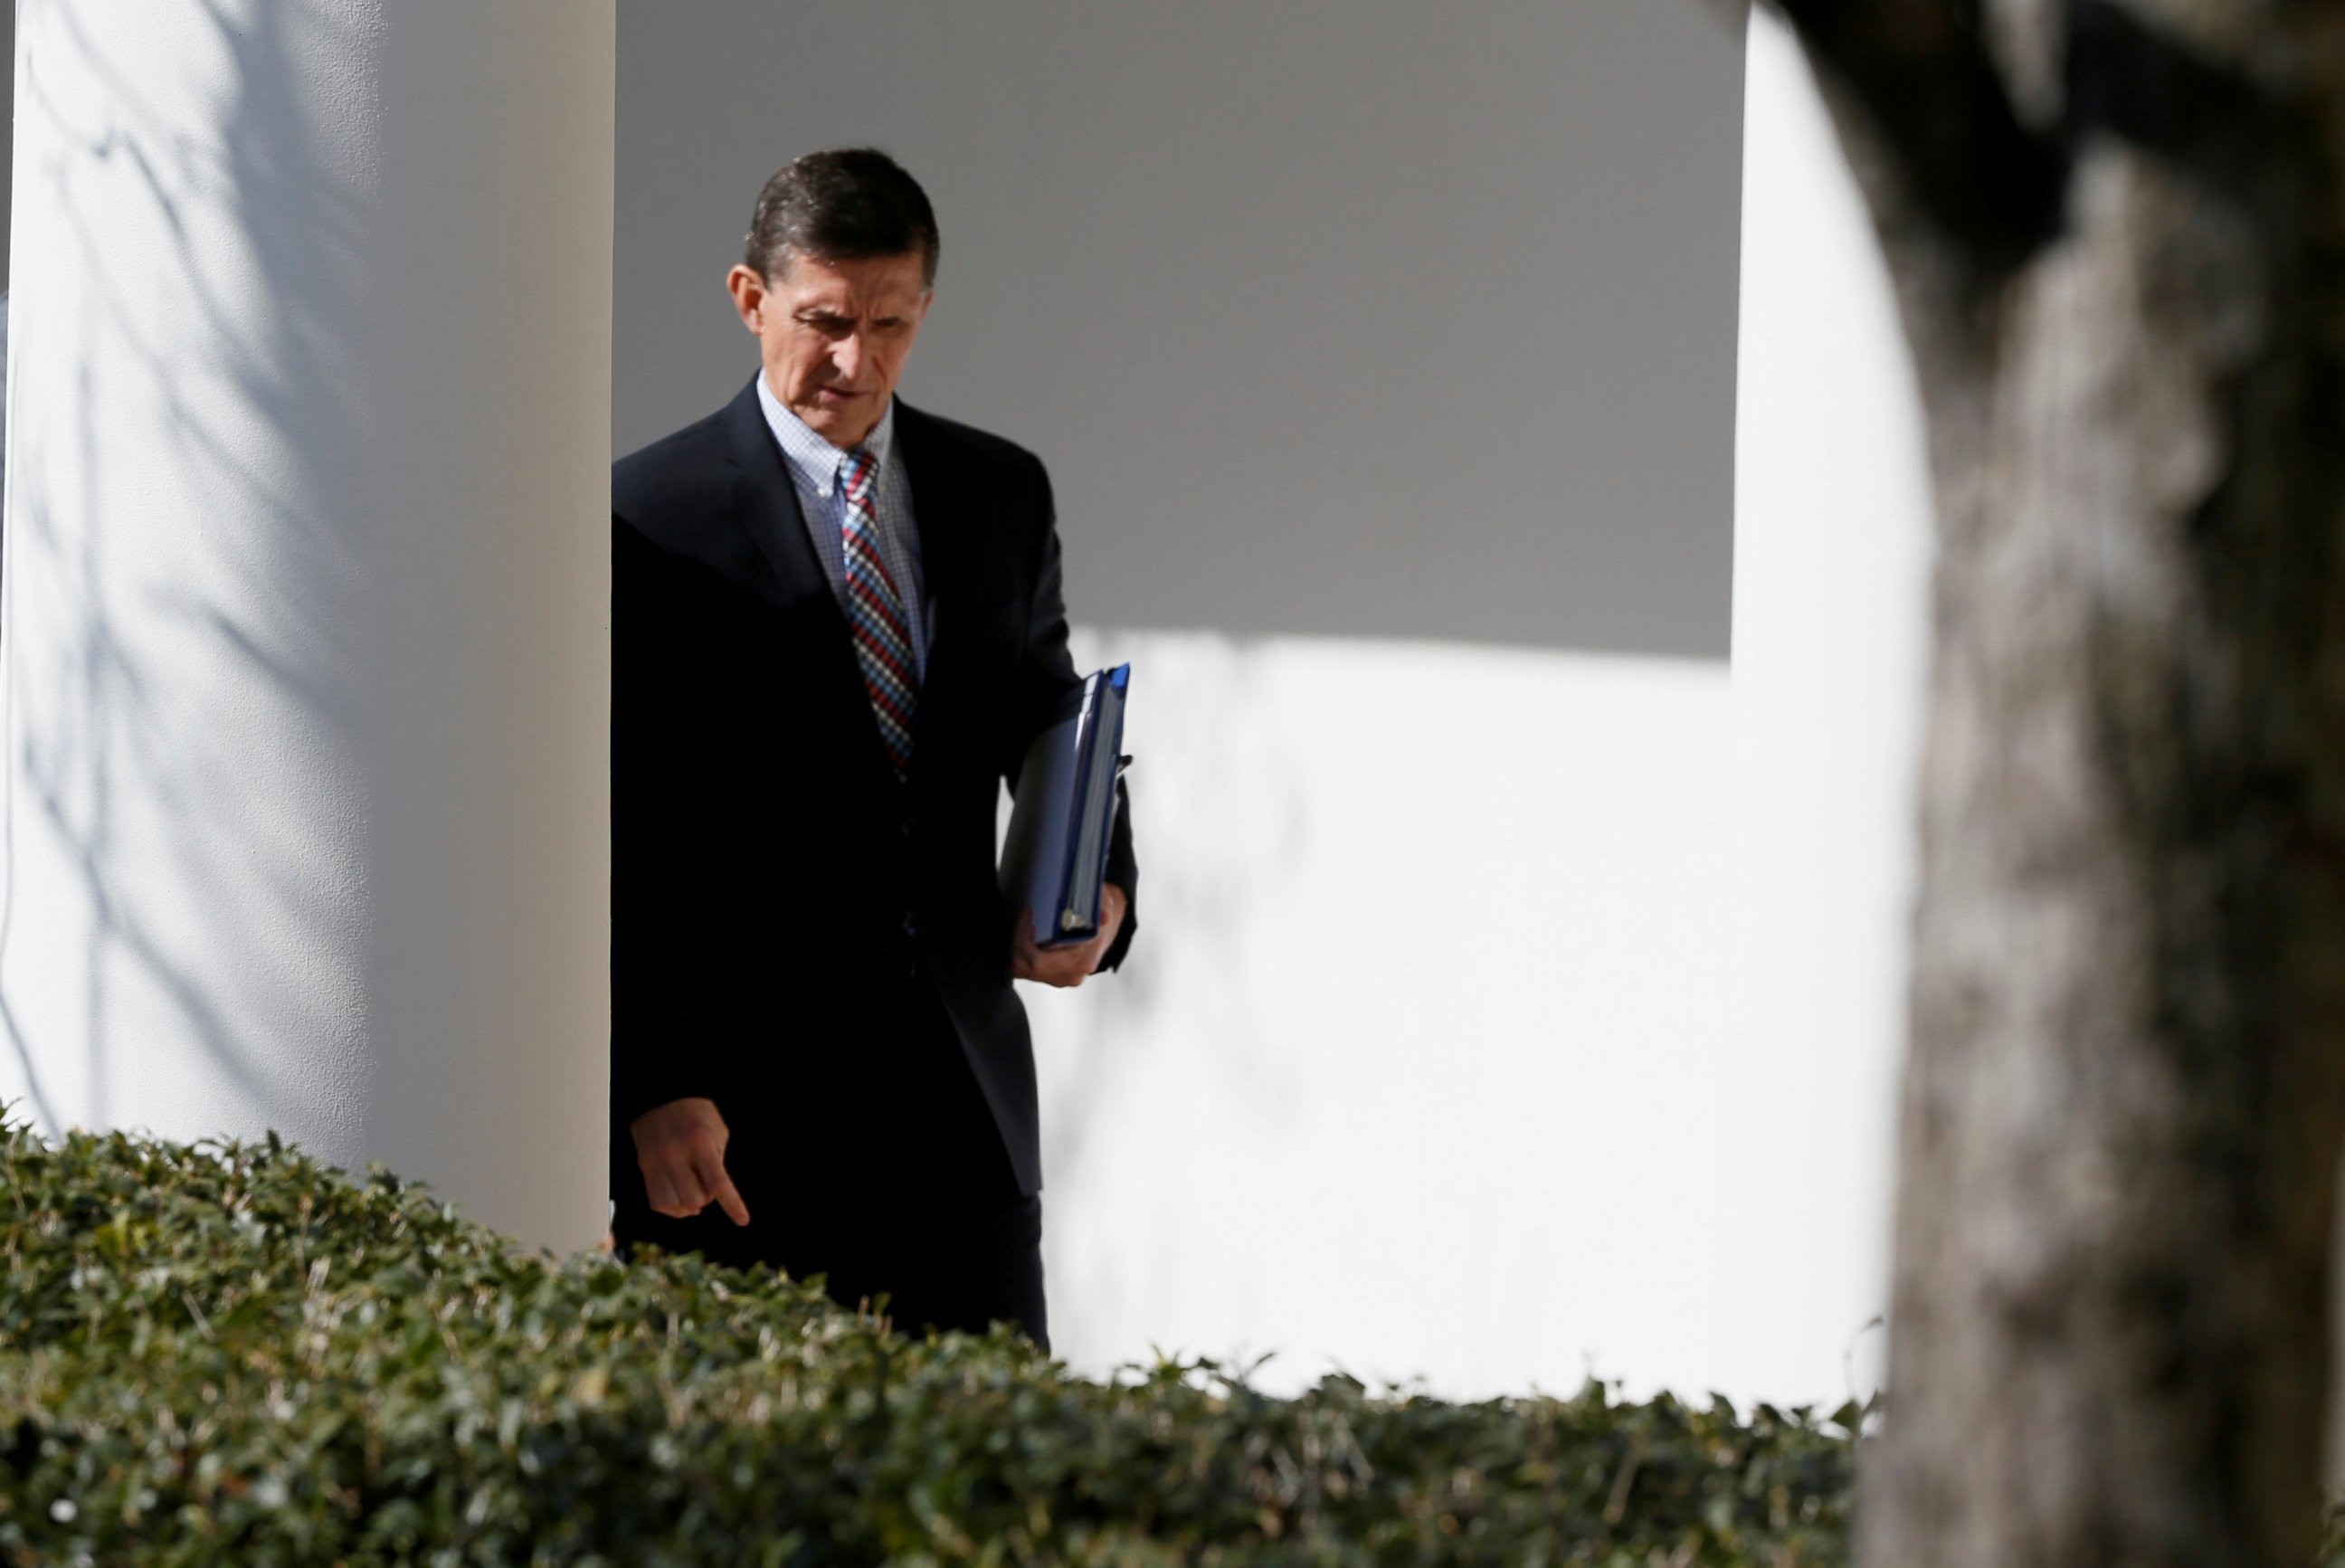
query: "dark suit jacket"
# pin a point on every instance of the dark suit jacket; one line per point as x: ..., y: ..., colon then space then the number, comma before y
x: 767, y: 864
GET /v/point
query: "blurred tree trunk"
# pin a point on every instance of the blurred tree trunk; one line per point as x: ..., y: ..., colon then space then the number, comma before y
x: 2120, y: 250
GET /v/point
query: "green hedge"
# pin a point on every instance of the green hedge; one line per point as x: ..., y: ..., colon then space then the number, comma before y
x: 229, y: 1354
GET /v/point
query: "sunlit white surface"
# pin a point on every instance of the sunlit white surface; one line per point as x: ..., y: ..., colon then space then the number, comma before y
x: 1830, y: 562
x: 1501, y: 1016
x: 1416, y: 1068
x: 304, y: 810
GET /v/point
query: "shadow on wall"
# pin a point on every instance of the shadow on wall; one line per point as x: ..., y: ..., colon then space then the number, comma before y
x: 1388, y: 353
x: 152, y: 616
x: 1391, y: 321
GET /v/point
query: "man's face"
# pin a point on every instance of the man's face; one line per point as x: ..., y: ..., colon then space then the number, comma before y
x: 834, y: 336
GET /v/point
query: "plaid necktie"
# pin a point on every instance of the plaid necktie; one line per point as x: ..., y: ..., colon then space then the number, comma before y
x: 875, y: 609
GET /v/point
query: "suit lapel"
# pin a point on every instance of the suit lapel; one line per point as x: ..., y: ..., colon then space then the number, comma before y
x: 938, y: 518
x: 941, y: 518
x: 765, y: 509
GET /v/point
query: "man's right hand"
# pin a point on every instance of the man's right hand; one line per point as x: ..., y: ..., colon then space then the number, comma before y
x: 681, y: 1147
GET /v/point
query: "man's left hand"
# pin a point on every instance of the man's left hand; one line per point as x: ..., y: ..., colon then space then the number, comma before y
x: 1066, y: 966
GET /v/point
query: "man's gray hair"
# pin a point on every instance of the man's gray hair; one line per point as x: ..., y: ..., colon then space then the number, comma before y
x: 843, y: 205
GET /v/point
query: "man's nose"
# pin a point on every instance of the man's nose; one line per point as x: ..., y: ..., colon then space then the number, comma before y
x: 848, y: 356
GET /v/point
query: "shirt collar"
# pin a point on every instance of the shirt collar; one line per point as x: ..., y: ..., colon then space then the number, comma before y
x: 814, y: 462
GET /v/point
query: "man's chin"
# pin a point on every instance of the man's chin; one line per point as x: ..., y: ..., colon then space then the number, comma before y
x: 843, y: 421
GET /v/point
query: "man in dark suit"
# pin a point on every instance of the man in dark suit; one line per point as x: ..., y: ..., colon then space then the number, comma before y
x: 836, y: 625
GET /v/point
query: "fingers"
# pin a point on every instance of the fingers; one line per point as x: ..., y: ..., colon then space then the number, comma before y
x: 1085, y: 960
x: 1065, y: 967
x: 658, y: 1193
x: 671, y: 1189
x: 1024, y: 956
x: 716, y: 1182
x: 681, y: 1187
x: 680, y: 1147
x: 728, y: 1198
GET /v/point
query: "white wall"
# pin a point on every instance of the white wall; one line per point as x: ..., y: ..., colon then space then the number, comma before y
x: 1516, y: 996
x: 1414, y: 1068
x: 303, y: 786
x: 1668, y: 1155
x: 1383, y: 357
x: 1348, y: 318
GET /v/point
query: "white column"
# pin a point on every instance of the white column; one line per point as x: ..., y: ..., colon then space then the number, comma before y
x: 306, y: 592
x: 1831, y: 542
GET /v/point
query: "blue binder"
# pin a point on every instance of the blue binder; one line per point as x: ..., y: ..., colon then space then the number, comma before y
x: 1054, y: 859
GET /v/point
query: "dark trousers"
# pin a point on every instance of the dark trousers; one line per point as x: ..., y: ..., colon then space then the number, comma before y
x: 876, y: 1165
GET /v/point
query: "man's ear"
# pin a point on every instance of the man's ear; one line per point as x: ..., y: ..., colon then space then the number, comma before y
x: 749, y: 297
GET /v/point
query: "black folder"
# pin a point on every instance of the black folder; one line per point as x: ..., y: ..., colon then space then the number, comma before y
x: 1055, y: 860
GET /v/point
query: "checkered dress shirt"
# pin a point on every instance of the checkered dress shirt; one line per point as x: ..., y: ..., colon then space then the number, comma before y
x: 819, y: 470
